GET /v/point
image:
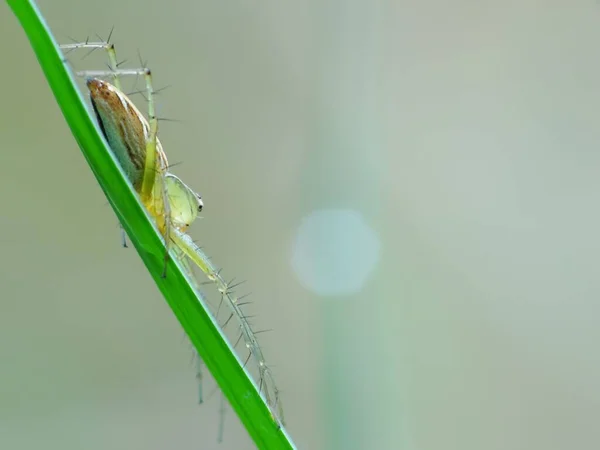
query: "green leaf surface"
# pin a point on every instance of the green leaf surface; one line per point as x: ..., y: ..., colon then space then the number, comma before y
x: 188, y: 307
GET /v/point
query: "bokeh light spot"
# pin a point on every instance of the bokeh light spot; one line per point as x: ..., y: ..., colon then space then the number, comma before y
x: 334, y: 252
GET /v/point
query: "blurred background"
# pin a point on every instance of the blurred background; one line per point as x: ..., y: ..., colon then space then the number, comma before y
x: 410, y: 189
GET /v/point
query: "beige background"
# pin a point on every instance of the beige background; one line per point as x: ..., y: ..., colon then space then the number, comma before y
x: 460, y: 307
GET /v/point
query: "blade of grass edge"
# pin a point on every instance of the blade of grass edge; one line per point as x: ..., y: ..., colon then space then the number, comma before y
x: 190, y: 310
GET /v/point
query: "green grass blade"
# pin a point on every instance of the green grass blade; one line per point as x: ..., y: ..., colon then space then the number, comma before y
x: 189, y: 309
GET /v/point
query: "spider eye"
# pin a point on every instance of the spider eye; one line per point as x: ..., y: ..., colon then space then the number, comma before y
x: 200, y: 203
